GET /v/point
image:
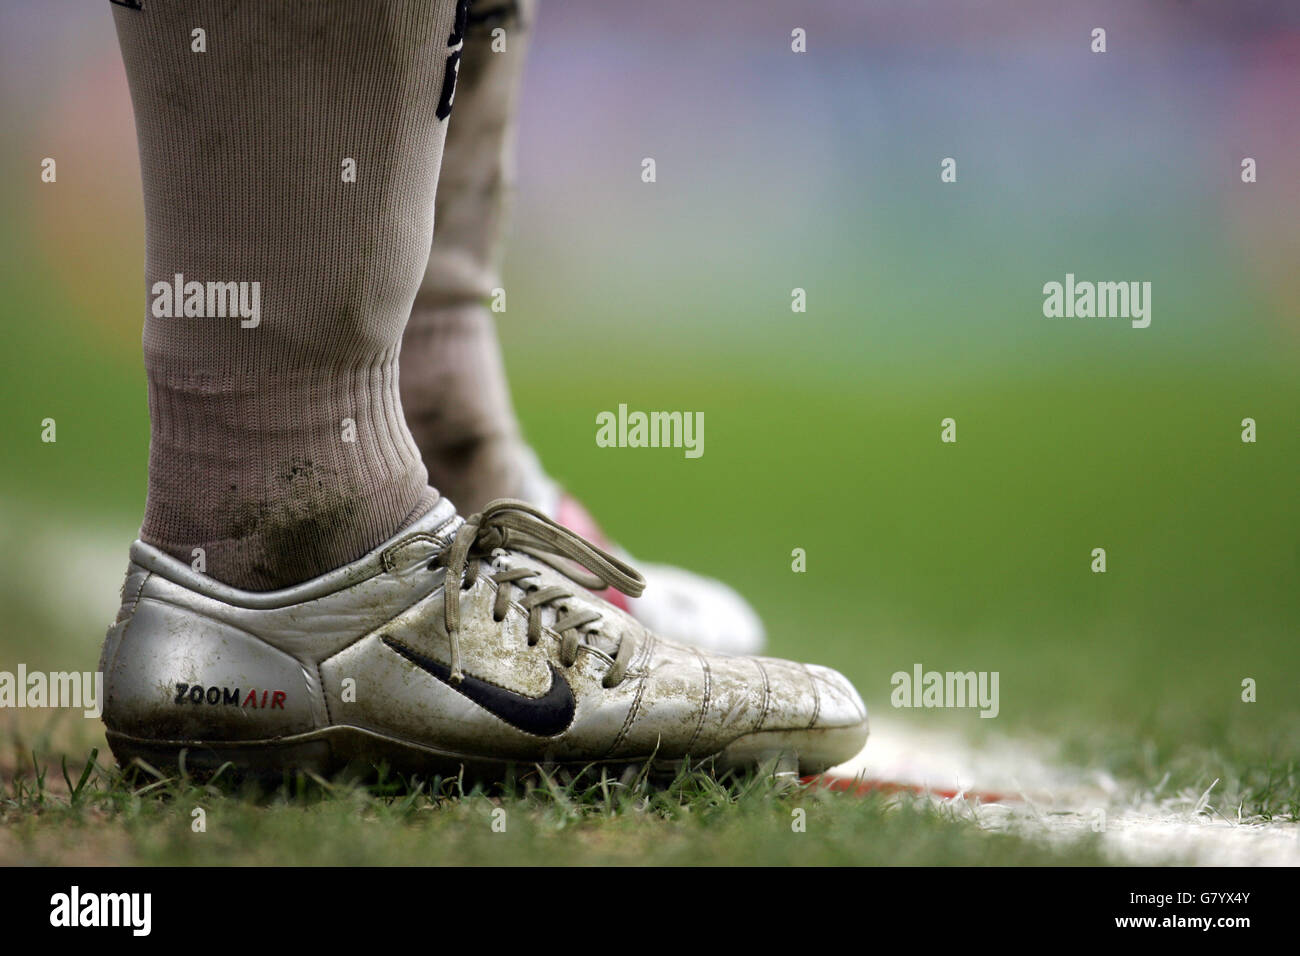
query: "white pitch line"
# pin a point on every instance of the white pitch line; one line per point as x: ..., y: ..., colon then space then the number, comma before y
x: 1060, y: 803
x: 81, y: 600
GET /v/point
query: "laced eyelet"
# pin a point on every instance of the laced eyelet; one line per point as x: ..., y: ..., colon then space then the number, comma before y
x: 531, y: 530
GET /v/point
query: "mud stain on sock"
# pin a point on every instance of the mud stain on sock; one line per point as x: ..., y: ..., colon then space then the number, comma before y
x: 313, y: 527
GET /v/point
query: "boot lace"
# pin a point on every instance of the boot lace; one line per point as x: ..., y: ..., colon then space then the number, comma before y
x: 509, y: 523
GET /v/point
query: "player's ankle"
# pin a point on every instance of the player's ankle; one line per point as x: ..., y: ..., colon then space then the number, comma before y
x: 268, y: 545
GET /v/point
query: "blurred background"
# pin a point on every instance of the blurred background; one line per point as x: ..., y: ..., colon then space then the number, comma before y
x: 820, y: 171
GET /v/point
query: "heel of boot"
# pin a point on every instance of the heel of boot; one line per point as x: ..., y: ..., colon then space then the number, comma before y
x: 171, y: 674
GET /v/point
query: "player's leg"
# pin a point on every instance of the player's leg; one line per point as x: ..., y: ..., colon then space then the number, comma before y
x: 290, y: 154
x: 453, y: 381
x: 399, y: 632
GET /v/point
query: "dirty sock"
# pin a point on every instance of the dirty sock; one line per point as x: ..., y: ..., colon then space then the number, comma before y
x: 290, y: 153
x: 453, y: 380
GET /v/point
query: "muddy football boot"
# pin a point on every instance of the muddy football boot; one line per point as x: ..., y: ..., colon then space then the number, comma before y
x: 472, y: 644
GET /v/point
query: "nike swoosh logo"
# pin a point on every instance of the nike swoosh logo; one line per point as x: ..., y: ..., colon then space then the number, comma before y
x: 543, y: 716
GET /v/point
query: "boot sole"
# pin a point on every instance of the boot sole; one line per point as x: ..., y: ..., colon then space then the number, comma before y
x: 338, y: 750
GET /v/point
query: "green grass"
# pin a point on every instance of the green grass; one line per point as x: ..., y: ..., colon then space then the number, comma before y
x: 977, y: 555
x: 97, y: 815
x: 972, y: 556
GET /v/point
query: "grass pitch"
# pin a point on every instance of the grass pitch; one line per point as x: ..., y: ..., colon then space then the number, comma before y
x: 971, y: 556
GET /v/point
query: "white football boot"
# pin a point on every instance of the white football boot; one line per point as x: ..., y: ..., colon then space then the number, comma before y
x: 677, y: 604
x: 458, y: 643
